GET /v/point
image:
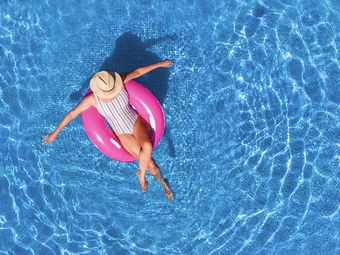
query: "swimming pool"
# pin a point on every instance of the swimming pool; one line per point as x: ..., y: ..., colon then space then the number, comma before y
x: 251, y: 147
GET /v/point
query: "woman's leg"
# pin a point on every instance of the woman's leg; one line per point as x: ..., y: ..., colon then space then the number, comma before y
x: 142, y: 133
x: 131, y: 145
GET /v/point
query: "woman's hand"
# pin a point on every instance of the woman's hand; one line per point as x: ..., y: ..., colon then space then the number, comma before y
x: 82, y: 106
x: 50, y: 138
x: 166, y: 63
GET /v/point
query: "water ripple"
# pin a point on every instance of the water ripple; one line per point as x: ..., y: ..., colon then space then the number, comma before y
x: 251, y: 148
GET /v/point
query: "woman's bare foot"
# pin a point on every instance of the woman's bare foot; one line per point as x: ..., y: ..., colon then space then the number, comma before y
x: 169, y: 194
x: 143, y: 183
x: 167, y: 190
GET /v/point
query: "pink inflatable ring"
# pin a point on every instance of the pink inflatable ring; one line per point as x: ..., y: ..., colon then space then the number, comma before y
x: 103, y: 137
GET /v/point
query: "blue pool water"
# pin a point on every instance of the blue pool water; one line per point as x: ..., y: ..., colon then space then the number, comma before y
x: 251, y: 147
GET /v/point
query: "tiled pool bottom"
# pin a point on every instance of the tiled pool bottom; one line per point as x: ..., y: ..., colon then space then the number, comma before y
x: 251, y: 147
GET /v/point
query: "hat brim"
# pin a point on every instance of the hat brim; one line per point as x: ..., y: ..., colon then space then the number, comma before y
x: 112, y: 94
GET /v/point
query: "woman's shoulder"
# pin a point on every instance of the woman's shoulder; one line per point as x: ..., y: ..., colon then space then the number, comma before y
x: 90, y: 99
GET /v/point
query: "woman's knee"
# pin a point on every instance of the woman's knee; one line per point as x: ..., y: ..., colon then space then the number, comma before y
x: 147, y: 146
x: 130, y: 145
x: 135, y: 152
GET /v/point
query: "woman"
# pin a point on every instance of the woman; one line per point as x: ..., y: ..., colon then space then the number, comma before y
x: 110, y: 98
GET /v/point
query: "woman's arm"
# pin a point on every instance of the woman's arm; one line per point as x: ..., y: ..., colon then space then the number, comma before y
x: 145, y: 69
x: 82, y: 106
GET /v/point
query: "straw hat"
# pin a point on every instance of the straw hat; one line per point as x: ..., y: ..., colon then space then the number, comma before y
x: 106, y: 85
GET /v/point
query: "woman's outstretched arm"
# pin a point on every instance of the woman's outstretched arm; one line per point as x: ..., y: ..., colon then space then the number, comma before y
x: 145, y: 69
x: 82, y: 106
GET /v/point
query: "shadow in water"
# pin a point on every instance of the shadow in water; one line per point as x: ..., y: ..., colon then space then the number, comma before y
x: 130, y: 53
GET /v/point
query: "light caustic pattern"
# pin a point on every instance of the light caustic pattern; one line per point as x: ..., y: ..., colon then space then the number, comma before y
x: 251, y: 146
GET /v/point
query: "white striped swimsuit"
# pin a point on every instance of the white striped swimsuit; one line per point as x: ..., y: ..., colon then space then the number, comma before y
x: 118, y: 113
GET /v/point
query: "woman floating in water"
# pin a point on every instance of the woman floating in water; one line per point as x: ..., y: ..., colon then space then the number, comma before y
x: 110, y: 98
